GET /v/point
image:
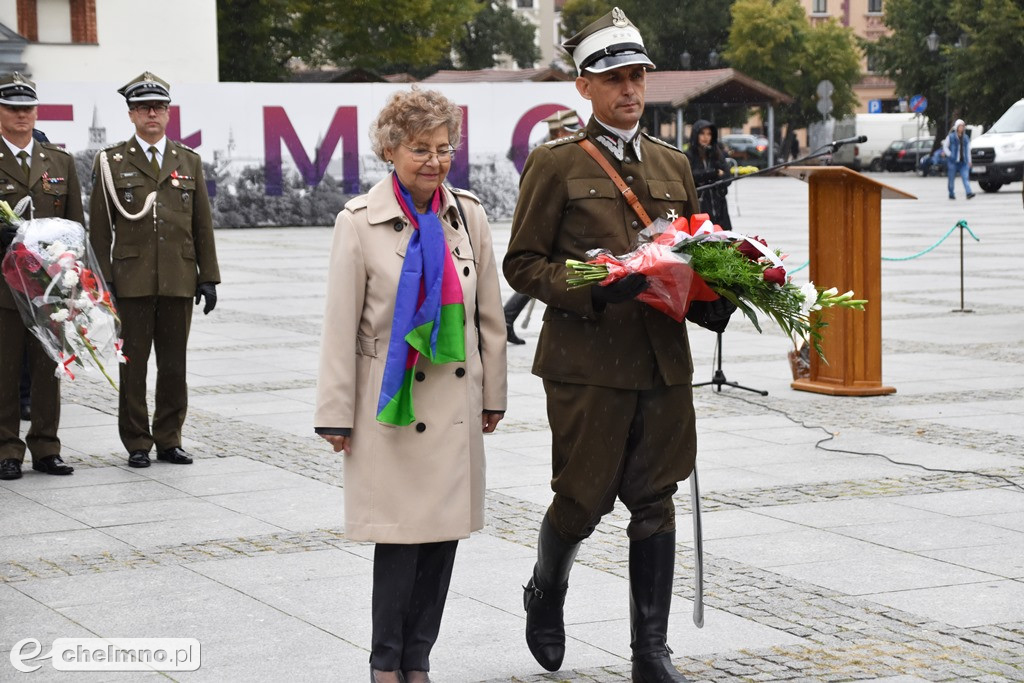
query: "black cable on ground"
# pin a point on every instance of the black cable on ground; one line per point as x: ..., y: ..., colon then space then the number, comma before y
x: 831, y: 436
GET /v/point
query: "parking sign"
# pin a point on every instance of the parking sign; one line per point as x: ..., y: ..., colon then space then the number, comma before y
x: 874, y: 106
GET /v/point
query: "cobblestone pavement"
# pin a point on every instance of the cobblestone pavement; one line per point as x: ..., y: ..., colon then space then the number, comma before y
x: 829, y: 561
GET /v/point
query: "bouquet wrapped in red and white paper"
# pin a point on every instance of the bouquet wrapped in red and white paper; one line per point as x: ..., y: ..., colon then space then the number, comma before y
x: 693, y: 260
x: 51, y: 271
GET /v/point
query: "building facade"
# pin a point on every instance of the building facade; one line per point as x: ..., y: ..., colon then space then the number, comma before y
x: 112, y: 40
x: 865, y: 17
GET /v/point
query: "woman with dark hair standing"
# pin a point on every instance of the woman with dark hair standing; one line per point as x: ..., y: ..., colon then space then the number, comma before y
x: 412, y: 373
x: 708, y: 163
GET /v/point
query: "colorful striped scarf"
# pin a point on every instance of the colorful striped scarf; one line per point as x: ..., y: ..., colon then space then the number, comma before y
x: 429, y: 315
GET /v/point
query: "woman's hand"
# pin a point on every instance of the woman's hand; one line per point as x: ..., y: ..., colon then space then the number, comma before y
x: 340, y: 443
x: 490, y: 421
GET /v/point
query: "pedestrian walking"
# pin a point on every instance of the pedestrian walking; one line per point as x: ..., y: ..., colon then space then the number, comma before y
x: 958, y: 163
x: 708, y: 164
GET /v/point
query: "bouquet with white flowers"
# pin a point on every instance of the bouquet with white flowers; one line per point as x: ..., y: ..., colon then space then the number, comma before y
x: 51, y: 271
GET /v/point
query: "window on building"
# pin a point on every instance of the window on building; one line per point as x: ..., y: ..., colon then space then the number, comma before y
x: 875, y: 6
x: 57, y: 21
x: 525, y: 4
x: 872, y: 65
x: 819, y: 7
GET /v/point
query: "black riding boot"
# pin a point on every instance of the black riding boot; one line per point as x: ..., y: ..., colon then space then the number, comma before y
x: 544, y: 596
x: 651, y: 567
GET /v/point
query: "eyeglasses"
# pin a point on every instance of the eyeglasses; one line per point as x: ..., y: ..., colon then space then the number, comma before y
x: 422, y: 156
x: 145, y: 108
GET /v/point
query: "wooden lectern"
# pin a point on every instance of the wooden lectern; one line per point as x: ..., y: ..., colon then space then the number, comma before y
x: 845, y: 216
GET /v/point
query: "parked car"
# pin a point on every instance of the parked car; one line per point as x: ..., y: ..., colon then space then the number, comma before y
x: 904, y: 155
x: 997, y: 157
x: 747, y: 150
x: 933, y: 164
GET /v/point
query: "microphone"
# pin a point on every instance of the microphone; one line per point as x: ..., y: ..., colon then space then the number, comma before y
x: 855, y: 140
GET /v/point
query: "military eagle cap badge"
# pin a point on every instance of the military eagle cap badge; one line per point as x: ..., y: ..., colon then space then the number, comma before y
x: 619, y: 18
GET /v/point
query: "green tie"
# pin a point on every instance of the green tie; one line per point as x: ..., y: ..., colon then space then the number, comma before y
x: 153, y: 161
x: 23, y: 155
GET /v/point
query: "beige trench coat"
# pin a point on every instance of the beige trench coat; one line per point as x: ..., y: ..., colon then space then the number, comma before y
x: 423, y: 482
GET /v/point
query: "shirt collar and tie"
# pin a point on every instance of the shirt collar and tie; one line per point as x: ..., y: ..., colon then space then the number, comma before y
x: 153, y: 151
x: 24, y: 156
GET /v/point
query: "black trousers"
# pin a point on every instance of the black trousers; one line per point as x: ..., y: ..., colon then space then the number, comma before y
x: 514, y: 306
x: 410, y: 586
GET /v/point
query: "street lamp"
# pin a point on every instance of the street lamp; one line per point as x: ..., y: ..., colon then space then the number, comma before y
x: 713, y: 59
x: 933, y: 46
x: 685, y: 60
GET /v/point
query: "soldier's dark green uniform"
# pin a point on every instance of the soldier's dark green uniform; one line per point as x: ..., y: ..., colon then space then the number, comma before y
x: 156, y: 263
x: 617, y: 373
x: 53, y: 186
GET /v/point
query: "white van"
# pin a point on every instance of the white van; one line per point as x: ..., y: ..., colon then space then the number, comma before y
x: 881, y: 130
x: 997, y: 157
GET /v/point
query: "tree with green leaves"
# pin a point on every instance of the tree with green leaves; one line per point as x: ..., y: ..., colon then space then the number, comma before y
x: 496, y: 29
x: 773, y: 42
x: 255, y: 39
x: 977, y: 63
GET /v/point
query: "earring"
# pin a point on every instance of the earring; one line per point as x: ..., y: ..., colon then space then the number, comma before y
x: 390, y: 164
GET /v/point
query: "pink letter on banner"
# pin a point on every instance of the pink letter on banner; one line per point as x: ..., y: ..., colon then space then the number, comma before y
x: 174, y: 130
x: 277, y: 128
x: 521, y: 134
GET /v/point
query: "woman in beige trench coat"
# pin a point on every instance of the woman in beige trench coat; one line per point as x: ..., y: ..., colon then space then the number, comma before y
x: 412, y: 489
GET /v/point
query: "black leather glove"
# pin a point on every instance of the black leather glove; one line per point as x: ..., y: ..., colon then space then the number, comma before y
x: 622, y: 290
x: 711, y: 315
x: 209, y: 290
x: 7, y: 234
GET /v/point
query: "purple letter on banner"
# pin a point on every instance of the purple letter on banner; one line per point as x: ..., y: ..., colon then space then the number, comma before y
x: 458, y: 174
x: 521, y: 134
x: 277, y: 128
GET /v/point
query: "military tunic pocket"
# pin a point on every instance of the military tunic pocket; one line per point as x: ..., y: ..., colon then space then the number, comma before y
x: 181, y: 195
x: 57, y: 194
x: 593, y: 208
x: 667, y: 196
x: 130, y: 190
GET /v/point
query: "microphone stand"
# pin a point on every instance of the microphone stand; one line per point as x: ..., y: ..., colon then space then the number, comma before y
x: 718, y: 377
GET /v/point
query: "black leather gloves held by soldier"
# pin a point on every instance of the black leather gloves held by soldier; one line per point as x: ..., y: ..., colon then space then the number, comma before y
x: 711, y: 315
x: 209, y: 290
x: 622, y: 290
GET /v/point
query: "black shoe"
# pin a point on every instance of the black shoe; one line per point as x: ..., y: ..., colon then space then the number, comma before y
x: 385, y: 675
x: 138, y: 459
x: 651, y: 569
x: 970, y: 196
x: 26, y: 413
x: 175, y: 455
x: 512, y: 337
x: 10, y: 469
x: 52, y: 465
x: 545, y: 623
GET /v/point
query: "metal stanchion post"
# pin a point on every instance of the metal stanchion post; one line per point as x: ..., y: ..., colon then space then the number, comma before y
x: 962, y: 309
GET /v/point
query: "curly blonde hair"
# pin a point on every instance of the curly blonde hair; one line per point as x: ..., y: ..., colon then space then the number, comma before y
x: 411, y: 112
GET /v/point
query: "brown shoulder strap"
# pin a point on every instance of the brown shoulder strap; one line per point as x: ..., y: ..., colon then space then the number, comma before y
x: 628, y: 193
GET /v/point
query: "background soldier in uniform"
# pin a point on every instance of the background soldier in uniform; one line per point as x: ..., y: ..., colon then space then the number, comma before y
x: 156, y: 253
x: 46, y: 173
x: 616, y: 372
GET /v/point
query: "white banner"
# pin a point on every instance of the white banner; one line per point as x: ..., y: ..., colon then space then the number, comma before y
x: 307, y: 131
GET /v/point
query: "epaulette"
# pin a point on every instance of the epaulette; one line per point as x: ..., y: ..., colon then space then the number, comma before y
x: 356, y: 203
x: 54, y: 148
x: 662, y: 142
x: 581, y: 135
x: 183, y: 146
x: 116, y: 144
x: 465, y: 193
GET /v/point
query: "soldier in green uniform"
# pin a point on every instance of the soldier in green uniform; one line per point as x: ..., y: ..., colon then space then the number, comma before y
x: 46, y: 174
x: 616, y: 372
x: 151, y: 229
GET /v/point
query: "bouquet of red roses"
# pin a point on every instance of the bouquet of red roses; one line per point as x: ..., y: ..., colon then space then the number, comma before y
x: 687, y: 261
x: 50, y: 270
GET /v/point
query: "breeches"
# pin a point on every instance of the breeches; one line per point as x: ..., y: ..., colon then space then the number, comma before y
x: 608, y: 443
